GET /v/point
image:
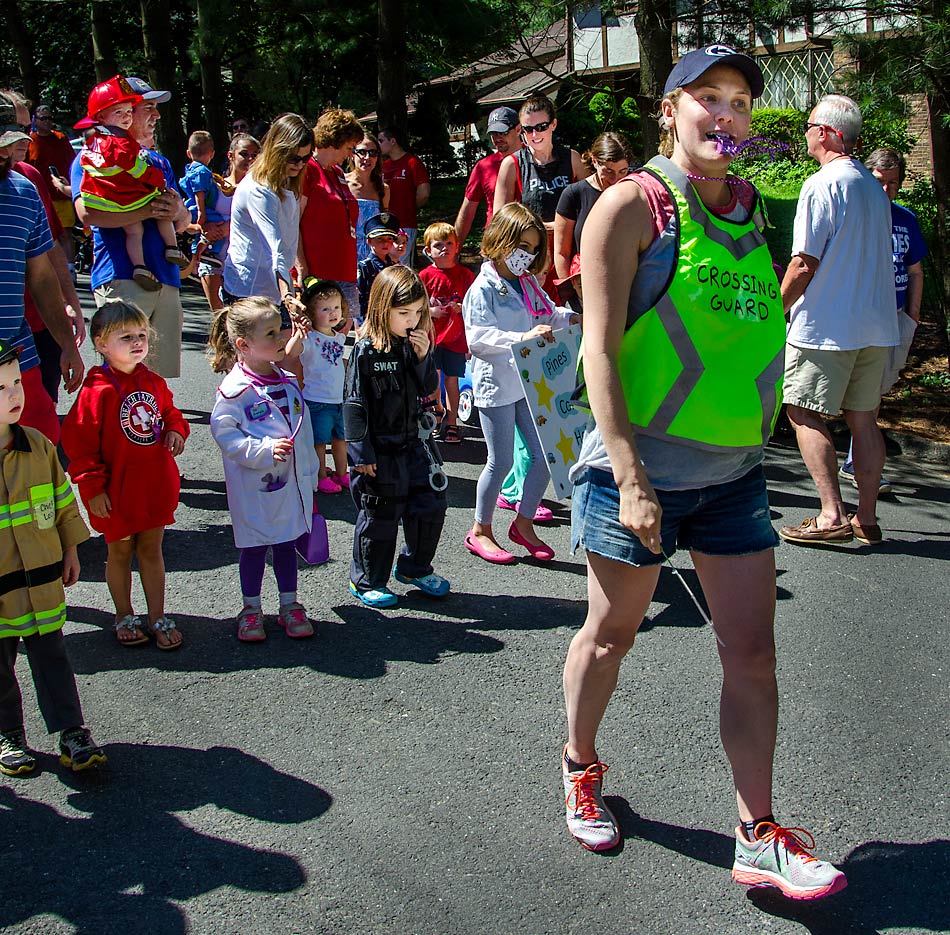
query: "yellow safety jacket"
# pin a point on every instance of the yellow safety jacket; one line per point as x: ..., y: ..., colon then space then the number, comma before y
x: 705, y: 364
x: 38, y: 520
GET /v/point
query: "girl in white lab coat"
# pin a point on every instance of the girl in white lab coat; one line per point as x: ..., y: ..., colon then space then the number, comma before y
x: 260, y: 423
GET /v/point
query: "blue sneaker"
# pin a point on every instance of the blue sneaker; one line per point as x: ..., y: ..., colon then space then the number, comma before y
x: 434, y: 585
x: 374, y: 597
x: 847, y: 473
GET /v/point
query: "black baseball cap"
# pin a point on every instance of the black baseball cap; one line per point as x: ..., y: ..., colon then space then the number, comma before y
x: 502, y: 119
x: 8, y: 352
x: 693, y: 65
x: 381, y: 224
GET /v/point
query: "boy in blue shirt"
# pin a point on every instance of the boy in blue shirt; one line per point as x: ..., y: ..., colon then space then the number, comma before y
x: 200, y: 193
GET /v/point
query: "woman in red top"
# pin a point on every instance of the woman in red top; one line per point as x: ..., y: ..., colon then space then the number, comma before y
x: 122, y: 437
x: 328, y: 210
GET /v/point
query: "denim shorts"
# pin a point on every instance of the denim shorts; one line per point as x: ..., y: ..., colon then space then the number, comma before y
x: 722, y: 519
x: 327, y: 422
x: 451, y: 363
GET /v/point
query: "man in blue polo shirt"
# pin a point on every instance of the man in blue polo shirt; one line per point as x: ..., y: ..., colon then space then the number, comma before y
x: 112, y: 268
x: 25, y: 241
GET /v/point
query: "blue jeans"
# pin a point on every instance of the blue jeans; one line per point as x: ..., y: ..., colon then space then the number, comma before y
x: 722, y: 519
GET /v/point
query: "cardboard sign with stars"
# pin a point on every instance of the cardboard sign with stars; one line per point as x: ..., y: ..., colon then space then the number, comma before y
x: 548, y: 374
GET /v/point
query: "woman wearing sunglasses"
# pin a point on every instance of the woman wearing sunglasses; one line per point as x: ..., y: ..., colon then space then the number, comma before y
x: 367, y: 187
x: 538, y: 173
x: 265, y: 219
x: 328, y: 211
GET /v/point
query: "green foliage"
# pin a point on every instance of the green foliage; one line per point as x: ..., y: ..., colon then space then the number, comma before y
x: 610, y: 112
x: 576, y: 123
x: 582, y: 116
x: 780, y: 173
x: 935, y: 381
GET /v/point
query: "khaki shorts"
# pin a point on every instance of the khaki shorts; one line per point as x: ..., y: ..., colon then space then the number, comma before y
x: 829, y: 381
x: 164, y: 311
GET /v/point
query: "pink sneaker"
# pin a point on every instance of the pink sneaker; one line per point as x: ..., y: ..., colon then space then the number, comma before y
x: 328, y: 485
x: 293, y: 618
x: 342, y: 479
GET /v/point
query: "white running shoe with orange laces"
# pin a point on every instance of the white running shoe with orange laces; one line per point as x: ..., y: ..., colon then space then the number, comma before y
x: 588, y: 819
x: 780, y: 857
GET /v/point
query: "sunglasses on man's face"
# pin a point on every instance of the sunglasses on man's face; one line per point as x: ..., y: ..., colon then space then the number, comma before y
x: 239, y: 126
x: 366, y: 153
x: 297, y: 160
x: 43, y: 117
x: 537, y: 128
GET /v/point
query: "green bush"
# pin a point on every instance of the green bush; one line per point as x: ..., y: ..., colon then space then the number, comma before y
x: 582, y: 117
x: 782, y: 172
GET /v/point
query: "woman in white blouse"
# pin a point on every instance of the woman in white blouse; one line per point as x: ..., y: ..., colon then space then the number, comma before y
x: 265, y: 218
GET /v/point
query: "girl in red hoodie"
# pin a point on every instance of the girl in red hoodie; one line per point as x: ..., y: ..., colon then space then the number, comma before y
x: 122, y: 437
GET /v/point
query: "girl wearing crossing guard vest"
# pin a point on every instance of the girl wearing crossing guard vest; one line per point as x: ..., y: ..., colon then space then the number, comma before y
x: 505, y: 305
x: 684, y: 379
x: 122, y: 436
x: 262, y: 427
x: 396, y: 469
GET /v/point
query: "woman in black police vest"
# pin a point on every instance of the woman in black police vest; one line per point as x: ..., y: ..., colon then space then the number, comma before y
x: 538, y: 173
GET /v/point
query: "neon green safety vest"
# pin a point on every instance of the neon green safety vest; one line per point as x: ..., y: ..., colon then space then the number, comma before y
x: 705, y: 364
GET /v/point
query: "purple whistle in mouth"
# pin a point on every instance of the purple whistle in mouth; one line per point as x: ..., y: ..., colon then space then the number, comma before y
x: 750, y: 148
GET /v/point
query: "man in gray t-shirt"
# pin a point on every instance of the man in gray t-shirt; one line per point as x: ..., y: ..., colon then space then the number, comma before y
x: 838, y: 292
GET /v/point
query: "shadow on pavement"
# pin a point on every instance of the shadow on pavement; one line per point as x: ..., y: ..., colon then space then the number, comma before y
x: 359, y: 644
x: 122, y: 866
x: 891, y: 885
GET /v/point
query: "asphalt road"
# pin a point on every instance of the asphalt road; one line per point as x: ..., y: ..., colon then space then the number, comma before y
x: 399, y: 773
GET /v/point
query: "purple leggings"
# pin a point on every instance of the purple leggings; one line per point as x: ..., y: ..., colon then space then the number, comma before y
x: 251, y: 567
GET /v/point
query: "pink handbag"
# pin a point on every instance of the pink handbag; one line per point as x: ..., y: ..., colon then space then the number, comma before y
x: 314, y: 546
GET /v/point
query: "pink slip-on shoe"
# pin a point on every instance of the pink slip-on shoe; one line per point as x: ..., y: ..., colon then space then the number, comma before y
x: 541, y: 515
x: 495, y: 556
x: 342, y: 479
x: 328, y: 485
x: 542, y: 552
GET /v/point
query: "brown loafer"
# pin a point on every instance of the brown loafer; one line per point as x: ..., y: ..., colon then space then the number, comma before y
x: 869, y: 535
x: 808, y: 533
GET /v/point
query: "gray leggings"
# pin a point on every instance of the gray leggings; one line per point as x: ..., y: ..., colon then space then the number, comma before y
x: 498, y: 427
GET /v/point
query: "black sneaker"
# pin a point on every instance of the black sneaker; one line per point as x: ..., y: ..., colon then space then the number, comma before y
x: 15, y: 756
x: 78, y: 750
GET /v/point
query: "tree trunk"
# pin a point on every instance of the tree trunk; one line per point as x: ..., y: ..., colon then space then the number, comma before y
x: 940, y: 142
x: 210, y: 16
x: 103, y: 48
x: 391, y: 108
x: 160, y: 67
x: 20, y: 37
x: 654, y: 25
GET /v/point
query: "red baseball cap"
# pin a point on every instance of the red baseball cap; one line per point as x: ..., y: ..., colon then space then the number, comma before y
x: 575, y: 270
x: 114, y: 91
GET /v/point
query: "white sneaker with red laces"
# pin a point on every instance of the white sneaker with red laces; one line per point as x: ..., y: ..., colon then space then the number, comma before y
x: 588, y: 819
